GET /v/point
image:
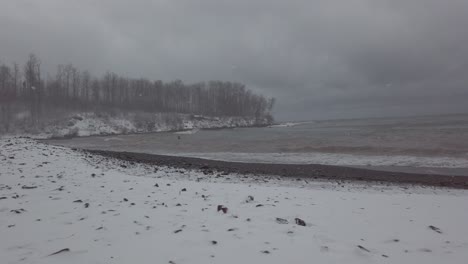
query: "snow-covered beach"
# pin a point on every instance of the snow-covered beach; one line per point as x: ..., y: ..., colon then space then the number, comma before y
x: 92, y: 209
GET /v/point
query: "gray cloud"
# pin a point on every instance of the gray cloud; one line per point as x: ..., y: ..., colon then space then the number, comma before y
x: 320, y: 58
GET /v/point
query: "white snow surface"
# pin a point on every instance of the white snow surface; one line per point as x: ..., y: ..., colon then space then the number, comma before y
x: 109, y: 211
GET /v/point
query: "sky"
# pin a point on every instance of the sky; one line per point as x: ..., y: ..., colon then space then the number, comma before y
x: 320, y: 58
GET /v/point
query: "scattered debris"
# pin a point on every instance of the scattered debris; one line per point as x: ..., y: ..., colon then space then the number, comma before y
x: 363, y: 248
x: 60, y: 251
x: 281, y: 221
x: 436, y: 229
x: 61, y: 188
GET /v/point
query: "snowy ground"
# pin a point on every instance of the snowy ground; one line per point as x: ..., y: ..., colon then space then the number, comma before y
x: 99, y: 210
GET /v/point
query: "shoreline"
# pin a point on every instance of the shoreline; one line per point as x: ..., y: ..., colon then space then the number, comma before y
x: 67, y: 137
x: 302, y: 171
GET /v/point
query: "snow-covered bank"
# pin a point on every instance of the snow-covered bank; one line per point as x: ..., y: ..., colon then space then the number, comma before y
x: 97, y: 210
x: 93, y: 124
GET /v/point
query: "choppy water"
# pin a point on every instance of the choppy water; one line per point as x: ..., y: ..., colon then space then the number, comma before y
x: 430, y: 141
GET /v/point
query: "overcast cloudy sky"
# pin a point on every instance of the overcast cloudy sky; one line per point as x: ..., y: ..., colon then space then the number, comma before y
x: 320, y: 58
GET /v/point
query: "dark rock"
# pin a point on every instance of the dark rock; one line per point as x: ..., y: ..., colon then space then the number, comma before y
x: 265, y: 252
x: 259, y: 205
x: 183, y: 190
x: 28, y: 187
x: 78, y: 201
x: 177, y: 231
x: 300, y: 222
x: 156, y: 185
x: 125, y: 199
x: 222, y: 208
x: 86, y: 205
x: 214, y: 242
x: 249, y: 199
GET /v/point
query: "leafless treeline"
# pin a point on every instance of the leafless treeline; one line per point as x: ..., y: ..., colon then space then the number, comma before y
x: 72, y: 88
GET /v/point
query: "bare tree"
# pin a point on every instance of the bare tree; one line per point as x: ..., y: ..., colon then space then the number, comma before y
x: 32, y: 84
x: 71, y: 88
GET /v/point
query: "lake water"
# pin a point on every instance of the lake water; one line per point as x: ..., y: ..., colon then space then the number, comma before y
x: 429, y: 141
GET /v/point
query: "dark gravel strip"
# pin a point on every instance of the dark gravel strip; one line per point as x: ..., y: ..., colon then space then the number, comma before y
x: 303, y: 171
